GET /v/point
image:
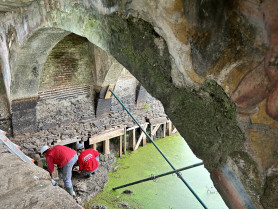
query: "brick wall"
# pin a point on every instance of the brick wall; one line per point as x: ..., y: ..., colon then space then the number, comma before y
x: 67, y: 65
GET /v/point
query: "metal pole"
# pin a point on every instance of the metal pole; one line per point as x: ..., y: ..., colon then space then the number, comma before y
x: 158, y: 176
x: 178, y: 174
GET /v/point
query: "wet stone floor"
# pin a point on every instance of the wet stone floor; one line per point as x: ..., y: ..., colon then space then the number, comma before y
x: 164, y: 193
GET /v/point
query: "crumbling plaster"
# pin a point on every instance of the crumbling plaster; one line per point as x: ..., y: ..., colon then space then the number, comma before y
x: 176, y: 49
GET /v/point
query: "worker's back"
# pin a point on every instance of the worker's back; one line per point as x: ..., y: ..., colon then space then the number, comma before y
x: 61, y: 154
x: 87, y: 160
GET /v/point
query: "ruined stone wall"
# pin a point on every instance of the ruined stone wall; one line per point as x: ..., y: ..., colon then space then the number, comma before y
x: 61, y: 117
x: 213, y: 65
x: 66, y: 80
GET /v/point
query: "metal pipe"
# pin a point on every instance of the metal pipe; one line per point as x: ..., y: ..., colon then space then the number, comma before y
x: 158, y: 176
x: 178, y: 174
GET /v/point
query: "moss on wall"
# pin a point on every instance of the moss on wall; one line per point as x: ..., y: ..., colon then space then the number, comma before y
x: 205, y: 117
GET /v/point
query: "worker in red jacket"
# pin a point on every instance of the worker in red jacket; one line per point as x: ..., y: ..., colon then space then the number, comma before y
x: 88, y: 160
x: 64, y: 157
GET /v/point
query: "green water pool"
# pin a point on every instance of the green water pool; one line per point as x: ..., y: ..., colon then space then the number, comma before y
x: 168, y: 191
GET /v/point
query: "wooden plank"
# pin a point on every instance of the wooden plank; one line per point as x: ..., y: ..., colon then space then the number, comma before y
x: 108, y: 93
x: 94, y: 146
x: 169, y: 129
x: 144, y: 140
x: 134, y: 127
x: 151, y: 131
x: 131, y: 128
x: 124, y: 140
x: 106, y: 146
x: 155, y: 129
x: 174, y: 131
x: 164, y: 130
x: 121, y: 146
x: 132, y: 139
x: 141, y: 136
x: 105, y: 135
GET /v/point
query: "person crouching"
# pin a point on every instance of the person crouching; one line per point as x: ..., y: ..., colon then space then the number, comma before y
x: 65, y: 158
x: 88, y: 160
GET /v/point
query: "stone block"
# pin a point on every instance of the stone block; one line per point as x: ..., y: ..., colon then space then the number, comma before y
x: 103, y: 107
x: 141, y: 97
x: 102, y: 92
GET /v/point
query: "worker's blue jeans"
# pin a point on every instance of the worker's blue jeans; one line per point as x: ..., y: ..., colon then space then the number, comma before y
x: 67, y: 172
x: 88, y: 173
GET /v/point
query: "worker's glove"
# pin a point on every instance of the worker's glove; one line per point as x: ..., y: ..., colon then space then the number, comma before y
x: 54, y: 183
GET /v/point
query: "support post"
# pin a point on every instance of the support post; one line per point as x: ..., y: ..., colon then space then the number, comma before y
x: 106, y: 147
x: 124, y: 140
x: 164, y: 130
x: 151, y: 130
x: 142, y: 136
x: 132, y: 139
x: 153, y: 133
x: 121, y: 146
x: 170, y: 128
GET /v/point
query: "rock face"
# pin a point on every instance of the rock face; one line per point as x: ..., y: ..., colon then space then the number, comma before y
x: 87, y: 188
x: 25, y: 185
x: 212, y: 64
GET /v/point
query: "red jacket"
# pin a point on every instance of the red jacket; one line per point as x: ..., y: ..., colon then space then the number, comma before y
x: 59, y: 155
x: 87, y: 160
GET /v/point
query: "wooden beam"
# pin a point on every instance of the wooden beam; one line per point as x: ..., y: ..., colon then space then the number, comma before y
x: 132, y: 139
x: 105, y: 135
x: 121, y: 146
x: 169, y: 129
x: 106, y: 146
x: 144, y: 140
x: 131, y: 128
x: 94, y: 146
x: 174, y: 131
x: 124, y: 140
x: 134, y: 127
x: 108, y: 93
x: 155, y: 129
x: 164, y: 130
x: 141, y: 136
x: 151, y: 131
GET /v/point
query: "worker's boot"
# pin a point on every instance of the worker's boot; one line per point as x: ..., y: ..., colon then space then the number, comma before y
x: 70, y: 190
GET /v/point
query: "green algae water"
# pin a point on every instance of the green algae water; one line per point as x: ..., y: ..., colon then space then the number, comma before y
x: 167, y: 192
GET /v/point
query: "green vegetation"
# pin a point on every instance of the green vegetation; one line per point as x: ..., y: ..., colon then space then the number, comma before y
x: 147, y: 106
x: 167, y: 192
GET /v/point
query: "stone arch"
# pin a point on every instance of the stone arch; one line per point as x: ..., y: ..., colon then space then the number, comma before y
x: 133, y: 43
x: 107, y: 70
x: 30, y: 60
